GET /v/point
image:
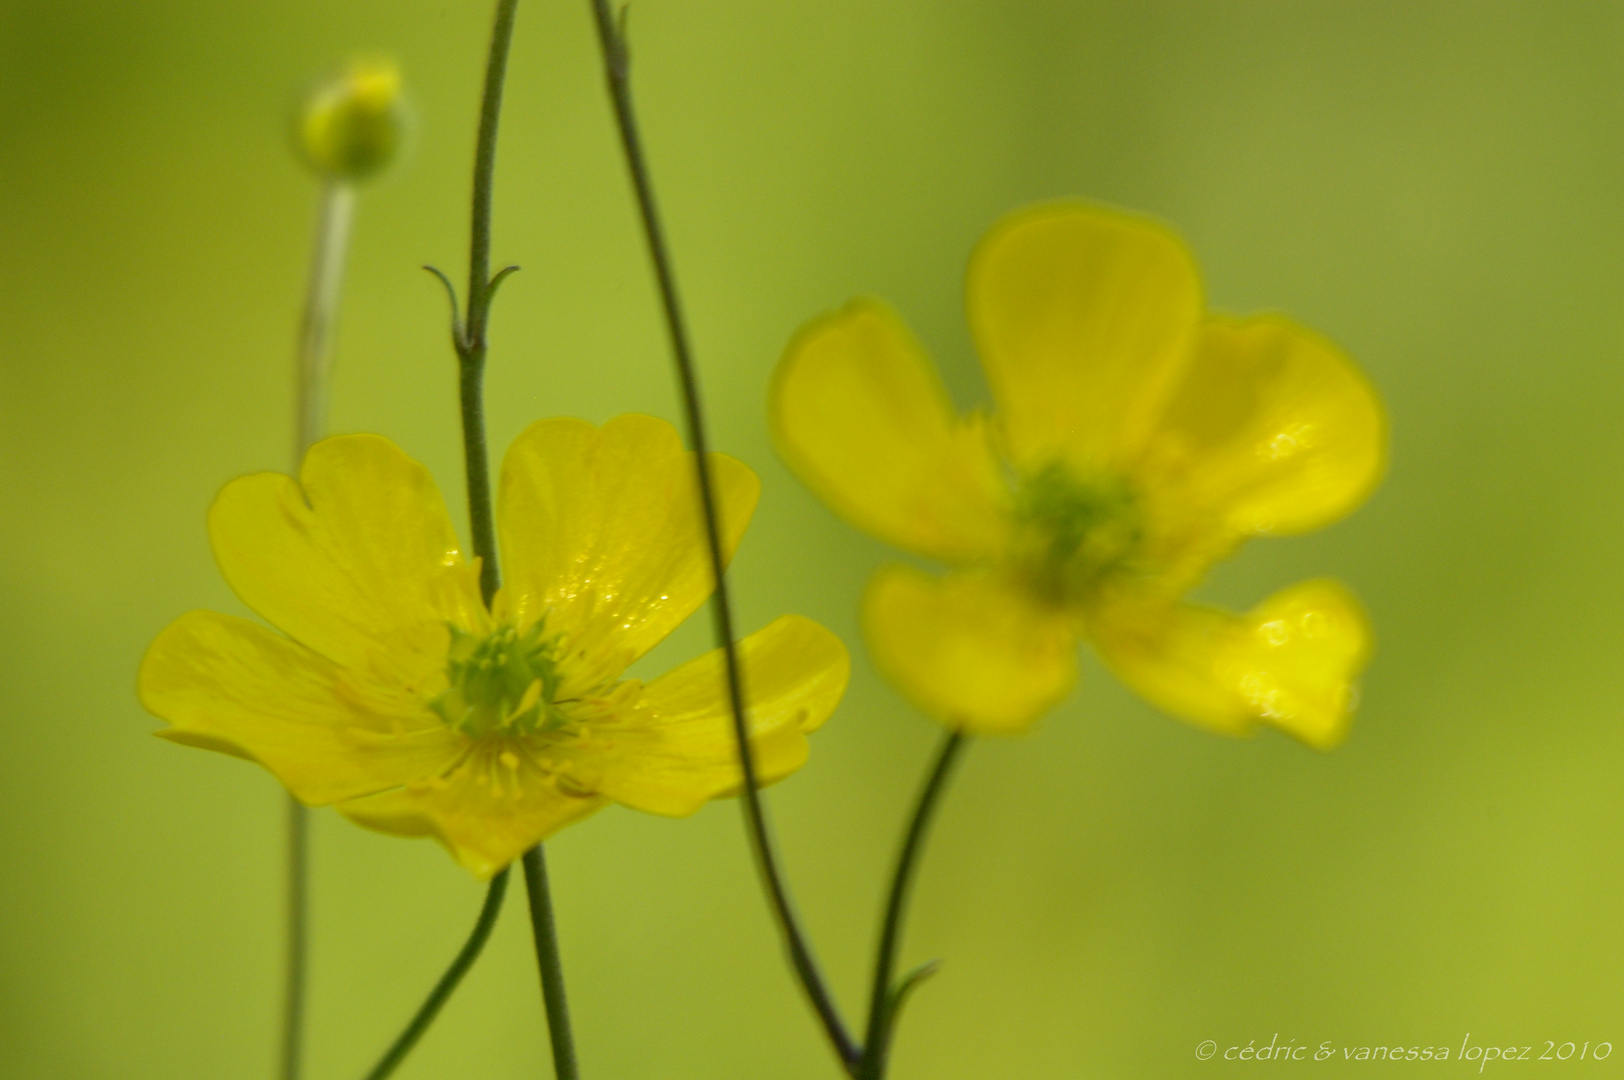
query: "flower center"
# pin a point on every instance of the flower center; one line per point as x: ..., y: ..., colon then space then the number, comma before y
x: 1073, y: 531
x: 501, y: 683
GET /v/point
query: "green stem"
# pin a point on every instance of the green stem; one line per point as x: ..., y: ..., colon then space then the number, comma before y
x: 883, y: 1000
x: 448, y: 982
x: 296, y: 963
x: 315, y: 348
x: 617, y: 70
x: 471, y: 345
x: 552, y: 967
x: 476, y: 460
x: 470, y: 337
x: 490, y: 115
x: 321, y: 313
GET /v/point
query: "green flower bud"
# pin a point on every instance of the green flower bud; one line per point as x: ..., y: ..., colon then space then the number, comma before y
x: 353, y: 125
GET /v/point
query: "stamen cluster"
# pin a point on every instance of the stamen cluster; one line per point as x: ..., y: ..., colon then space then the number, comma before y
x: 501, y: 683
x: 1073, y: 532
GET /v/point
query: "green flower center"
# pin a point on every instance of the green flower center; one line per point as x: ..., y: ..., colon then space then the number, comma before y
x: 502, y: 683
x: 1073, y: 531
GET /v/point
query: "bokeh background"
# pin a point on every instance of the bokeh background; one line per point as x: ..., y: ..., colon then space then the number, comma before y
x: 1437, y: 186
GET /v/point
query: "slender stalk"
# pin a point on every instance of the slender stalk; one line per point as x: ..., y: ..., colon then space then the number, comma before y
x: 321, y: 312
x: 471, y: 344
x: 469, y: 341
x: 617, y: 70
x: 448, y: 982
x: 552, y: 968
x: 315, y: 348
x: 883, y: 1000
x: 476, y: 461
x: 470, y: 338
x: 295, y: 965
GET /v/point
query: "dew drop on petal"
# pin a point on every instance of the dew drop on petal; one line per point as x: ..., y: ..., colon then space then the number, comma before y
x: 1290, y: 442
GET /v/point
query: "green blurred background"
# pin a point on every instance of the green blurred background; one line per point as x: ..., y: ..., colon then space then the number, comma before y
x: 1437, y: 186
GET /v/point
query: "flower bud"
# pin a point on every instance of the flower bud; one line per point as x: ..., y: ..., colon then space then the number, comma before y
x: 352, y: 125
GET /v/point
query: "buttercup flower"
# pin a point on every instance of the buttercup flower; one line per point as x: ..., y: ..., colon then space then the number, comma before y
x: 397, y: 696
x: 1136, y: 440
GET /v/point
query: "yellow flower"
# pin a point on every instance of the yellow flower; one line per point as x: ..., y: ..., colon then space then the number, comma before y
x: 1137, y: 440
x: 396, y: 695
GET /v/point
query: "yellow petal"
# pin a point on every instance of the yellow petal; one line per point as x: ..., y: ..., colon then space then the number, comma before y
x: 858, y: 413
x: 1273, y: 430
x: 229, y: 684
x: 357, y: 560
x: 497, y: 803
x: 970, y: 649
x: 1083, y: 317
x: 394, y: 812
x: 602, y: 533
x: 676, y: 750
x: 1292, y: 662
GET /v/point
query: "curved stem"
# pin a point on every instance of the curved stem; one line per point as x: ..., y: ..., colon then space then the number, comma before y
x: 448, y: 982
x: 552, y: 967
x: 315, y: 348
x: 883, y: 1000
x: 617, y: 69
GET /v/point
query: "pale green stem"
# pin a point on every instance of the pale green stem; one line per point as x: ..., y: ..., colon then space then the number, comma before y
x: 310, y: 415
x: 321, y: 313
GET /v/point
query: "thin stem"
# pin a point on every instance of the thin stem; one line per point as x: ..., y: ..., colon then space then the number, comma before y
x: 327, y: 260
x: 448, y: 982
x: 552, y: 967
x: 617, y: 70
x: 295, y: 964
x: 471, y: 344
x: 490, y: 113
x: 470, y: 337
x: 310, y: 411
x: 883, y: 1000
x: 476, y: 460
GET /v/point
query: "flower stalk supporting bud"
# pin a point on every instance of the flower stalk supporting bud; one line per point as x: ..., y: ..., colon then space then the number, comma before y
x: 349, y: 130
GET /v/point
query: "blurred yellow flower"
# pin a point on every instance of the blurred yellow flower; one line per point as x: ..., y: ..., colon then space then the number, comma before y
x: 1136, y: 441
x: 352, y: 125
x: 396, y: 695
